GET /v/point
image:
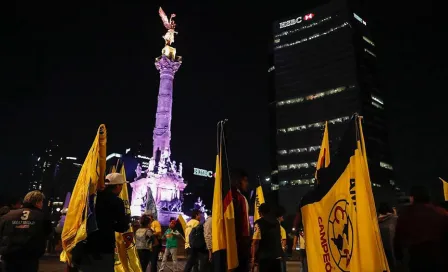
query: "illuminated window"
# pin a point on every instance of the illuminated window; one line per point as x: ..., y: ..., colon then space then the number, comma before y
x: 275, y: 187
x: 312, y: 37
x: 370, y: 52
x: 367, y: 40
x: 301, y: 181
x: 377, y: 99
x: 299, y: 150
x: 359, y: 19
x: 314, y: 125
x: 314, y: 96
x: 294, y: 166
x: 386, y: 165
x: 271, y: 69
x: 376, y: 105
x: 392, y: 182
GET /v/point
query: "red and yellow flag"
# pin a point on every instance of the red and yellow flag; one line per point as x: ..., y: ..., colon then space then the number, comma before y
x: 223, y: 215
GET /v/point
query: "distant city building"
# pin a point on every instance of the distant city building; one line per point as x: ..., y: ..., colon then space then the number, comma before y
x: 66, y: 173
x: 324, y: 69
x: 43, y: 168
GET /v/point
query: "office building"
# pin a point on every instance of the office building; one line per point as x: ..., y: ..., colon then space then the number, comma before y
x: 324, y: 69
x: 43, y: 168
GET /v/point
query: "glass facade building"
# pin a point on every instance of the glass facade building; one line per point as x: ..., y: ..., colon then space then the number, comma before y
x: 323, y: 69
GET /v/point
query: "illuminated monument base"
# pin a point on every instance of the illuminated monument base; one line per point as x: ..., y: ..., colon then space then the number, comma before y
x: 158, y: 194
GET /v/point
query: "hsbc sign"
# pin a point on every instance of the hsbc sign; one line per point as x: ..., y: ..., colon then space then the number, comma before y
x: 203, y: 173
x: 297, y: 20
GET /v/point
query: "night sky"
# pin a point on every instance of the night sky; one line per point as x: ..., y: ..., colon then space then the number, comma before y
x: 68, y: 68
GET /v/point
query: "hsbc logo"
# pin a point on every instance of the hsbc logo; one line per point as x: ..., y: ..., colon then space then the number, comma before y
x: 297, y: 20
x: 308, y: 17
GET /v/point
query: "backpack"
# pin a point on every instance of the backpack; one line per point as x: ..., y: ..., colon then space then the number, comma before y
x: 196, y: 238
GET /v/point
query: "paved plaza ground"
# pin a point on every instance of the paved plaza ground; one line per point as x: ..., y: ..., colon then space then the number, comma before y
x: 52, y: 264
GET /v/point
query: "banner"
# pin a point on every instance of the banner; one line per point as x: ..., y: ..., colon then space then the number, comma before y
x: 80, y: 218
x: 126, y: 257
x: 339, y: 216
x: 259, y: 199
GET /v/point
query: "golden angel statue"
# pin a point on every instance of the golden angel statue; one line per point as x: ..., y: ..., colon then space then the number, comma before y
x: 170, y: 25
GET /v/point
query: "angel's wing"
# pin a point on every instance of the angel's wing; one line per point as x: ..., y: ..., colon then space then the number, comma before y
x: 164, y: 18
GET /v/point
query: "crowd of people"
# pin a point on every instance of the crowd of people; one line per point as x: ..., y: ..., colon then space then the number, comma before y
x: 415, y: 236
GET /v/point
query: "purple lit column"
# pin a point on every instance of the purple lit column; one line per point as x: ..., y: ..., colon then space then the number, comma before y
x: 162, y: 131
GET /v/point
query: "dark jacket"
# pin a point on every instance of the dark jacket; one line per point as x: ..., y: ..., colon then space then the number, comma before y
x: 422, y: 230
x: 242, y: 226
x: 23, y: 233
x: 270, y: 246
x: 110, y: 217
x: 387, y: 224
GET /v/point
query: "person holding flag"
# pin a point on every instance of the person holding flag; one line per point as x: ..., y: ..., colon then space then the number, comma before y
x: 339, y: 216
x: 80, y: 219
x: 126, y: 258
x: 111, y: 217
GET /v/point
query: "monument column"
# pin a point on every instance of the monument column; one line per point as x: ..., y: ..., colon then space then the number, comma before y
x: 167, y: 64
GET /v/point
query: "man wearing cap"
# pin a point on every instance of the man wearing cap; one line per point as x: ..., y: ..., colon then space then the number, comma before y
x: 111, y: 217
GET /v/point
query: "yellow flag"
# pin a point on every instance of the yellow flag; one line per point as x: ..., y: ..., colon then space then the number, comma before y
x: 259, y: 199
x: 340, y: 224
x: 223, y: 215
x: 324, y: 155
x: 126, y: 257
x: 445, y: 189
x: 182, y: 222
x: 81, y: 206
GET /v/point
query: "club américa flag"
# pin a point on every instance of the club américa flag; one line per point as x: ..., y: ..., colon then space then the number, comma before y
x: 339, y: 216
x: 324, y: 155
x: 223, y: 215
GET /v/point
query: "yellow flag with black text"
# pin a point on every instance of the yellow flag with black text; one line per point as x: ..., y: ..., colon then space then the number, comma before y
x: 339, y: 216
x: 126, y: 257
x: 259, y: 199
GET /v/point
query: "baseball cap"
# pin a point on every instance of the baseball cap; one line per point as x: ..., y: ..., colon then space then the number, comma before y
x: 115, y: 178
